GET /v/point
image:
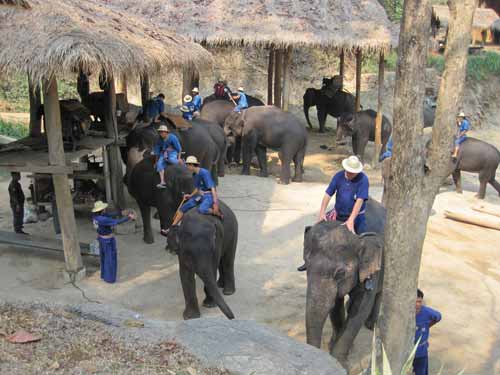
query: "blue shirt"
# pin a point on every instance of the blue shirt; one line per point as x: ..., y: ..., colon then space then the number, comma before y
x: 169, y: 143
x: 105, y: 223
x: 464, y: 126
x: 242, y: 102
x: 388, y: 150
x: 155, y: 107
x: 347, y: 192
x: 197, y: 102
x: 203, y: 180
x: 424, y: 319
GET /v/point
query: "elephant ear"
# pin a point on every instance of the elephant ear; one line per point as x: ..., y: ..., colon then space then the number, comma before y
x: 370, y: 254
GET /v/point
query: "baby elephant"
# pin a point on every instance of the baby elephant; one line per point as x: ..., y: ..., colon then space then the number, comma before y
x: 205, y: 244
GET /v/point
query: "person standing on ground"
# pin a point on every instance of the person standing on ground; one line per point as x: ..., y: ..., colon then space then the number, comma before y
x: 16, y: 196
x: 104, y: 223
x: 463, y: 126
x: 425, y: 319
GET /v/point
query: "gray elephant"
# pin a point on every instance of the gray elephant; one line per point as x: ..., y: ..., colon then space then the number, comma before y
x: 495, y: 31
x: 205, y: 244
x: 269, y: 127
x: 217, y: 134
x: 361, y: 127
x: 338, y: 264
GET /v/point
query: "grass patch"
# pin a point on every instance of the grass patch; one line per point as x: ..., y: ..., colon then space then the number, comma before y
x: 13, y: 130
x: 479, y: 67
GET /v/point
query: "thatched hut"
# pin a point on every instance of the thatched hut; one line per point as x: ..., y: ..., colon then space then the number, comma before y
x: 49, y: 39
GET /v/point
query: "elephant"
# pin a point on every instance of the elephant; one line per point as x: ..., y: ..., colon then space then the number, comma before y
x: 252, y: 100
x: 217, y: 134
x: 361, y: 127
x: 338, y: 264
x: 205, y: 244
x: 268, y: 126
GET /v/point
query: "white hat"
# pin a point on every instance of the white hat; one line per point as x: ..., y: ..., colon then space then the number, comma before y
x: 461, y: 114
x: 99, y: 206
x: 192, y: 160
x: 163, y: 128
x: 241, y: 89
x: 195, y: 89
x: 185, y: 109
x: 188, y: 98
x: 352, y: 164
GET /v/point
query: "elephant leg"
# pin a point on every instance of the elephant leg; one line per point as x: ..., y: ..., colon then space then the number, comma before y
x: 362, y: 142
x: 322, y: 113
x: 237, y: 150
x: 354, y: 142
x: 146, y: 223
x: 227, y: 274
x: 493, y: 182
x: 457, y: 179
x: 192, y: 310
x: 208, y: 301
x: 221, y: 166
x: 298, y: 162
x: 337, y: 318
x: 248, y: 143
x: 339, y: 136
x: 220, y: 281
x: 372, y: 319
x: 261, y: 153
x: 483, y: 181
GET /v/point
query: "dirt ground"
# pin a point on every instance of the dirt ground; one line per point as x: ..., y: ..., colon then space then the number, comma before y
x: 460, y: 273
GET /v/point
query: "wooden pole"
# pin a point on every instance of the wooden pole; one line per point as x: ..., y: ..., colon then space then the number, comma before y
x: 124, y: 87
x: 35, y: 103
x: 115, y: 163
x: 287, y: 63
x: 359, y: 58
x: 144, y: 90
x: 278, y: 73
x: 378, y: 120
x: 72, y: 256
x: 270, y: 73
x: 107, y: 175
x: 342, y: 66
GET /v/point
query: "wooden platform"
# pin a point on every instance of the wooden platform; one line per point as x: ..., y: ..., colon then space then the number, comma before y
x: 37, y: 242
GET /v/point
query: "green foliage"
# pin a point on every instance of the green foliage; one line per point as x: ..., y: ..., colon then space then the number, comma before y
x: 394, y: 9
x: 13, y: 130
x: 436, y: 62
x: 479, y: 67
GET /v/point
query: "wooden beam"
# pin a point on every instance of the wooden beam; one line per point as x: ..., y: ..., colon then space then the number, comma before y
x: 287, y: 64
x: 342, y: 66
x: 64, y: 199
x: 144, y: 90
x: 469, y: 217
x: 378, y: 120
x: 270, y: 73
x: 107, y: 175
x: 278, y: 73
x: 35, y: 103
x: 359, y: 59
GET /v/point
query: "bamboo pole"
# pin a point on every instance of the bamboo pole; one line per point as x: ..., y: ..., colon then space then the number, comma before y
x: 487, y: 210
x: 342, y: 66
x: 378, y: 120
x: 278, y: 73
x: 64, y: 200
x: 359, y: 58
x: 287, y: 64
x: 270, y: 73
x: 124, y: 87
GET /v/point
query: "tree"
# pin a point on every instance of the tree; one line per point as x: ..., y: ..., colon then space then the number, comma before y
x: 413, y: 188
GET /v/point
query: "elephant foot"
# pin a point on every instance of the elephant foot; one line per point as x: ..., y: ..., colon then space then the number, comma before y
x: 283, y: 182
x: 149, y: 239
x: 263, y: 174
x: 341, y: 357
x: 209, y: 303
x: 297, y: 179
x: 479, y: 196
x: 370, y: 324
x: 229, y: 291
x: 459, y: 191
x: 220, y: 283
x: 191, y: 314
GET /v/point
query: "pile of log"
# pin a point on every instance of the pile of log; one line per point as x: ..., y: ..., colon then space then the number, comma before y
x: 484, y: 215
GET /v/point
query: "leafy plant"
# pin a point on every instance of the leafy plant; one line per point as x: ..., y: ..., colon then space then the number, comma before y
x: 13, y: 130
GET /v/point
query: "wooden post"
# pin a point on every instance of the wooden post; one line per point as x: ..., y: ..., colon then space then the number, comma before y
x: 342, y: 66
x: 378, y: 120
x: 190, y: 79
x: 278, y: 70
x: 287, y: 63
x: 35, y: 103
x: 124, y: 87
x: 144, y: 90
x: 83, y: 86
x: 72, y: 256
x: 270, y: 73
x: 359, y: 58
x: 115, y: 163
x: 107, y: 175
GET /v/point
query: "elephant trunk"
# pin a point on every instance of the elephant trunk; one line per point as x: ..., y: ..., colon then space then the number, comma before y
x: 321, y: 294
x: 214, y: 292
x: 309, y: 101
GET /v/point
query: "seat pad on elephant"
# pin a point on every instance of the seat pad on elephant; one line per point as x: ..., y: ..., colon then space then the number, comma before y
x: 370, y: 257
x: 179, y: 121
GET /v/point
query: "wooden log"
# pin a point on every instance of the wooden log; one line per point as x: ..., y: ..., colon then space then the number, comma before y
x: 495, y: 211
x: 278, y: 73
x: 35, y: 168
x: 270, y: 73
x: 359, y: 59
x: 144, y: 90
x: 342, y: 66
x: 378, y: 120
x: 486, y: 221
x: 35, y: 115
x: 287, y: 64
x: 64, y: 199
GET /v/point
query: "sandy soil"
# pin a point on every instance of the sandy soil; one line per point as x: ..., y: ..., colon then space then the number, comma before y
x: 460, y: 273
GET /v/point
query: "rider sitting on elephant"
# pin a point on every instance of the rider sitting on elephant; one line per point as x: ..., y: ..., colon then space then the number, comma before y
x: 167, y: 151
x: 220, y: 89
x: 388, y: 150
x: 187, y: 113
x: 156, y: 108
x: 240, y: 98
x: 204, y: 194
x: 463, y: 127
x: 197, y: 101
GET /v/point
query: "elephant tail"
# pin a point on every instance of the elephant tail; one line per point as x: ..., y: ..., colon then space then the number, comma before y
x: 211, y: 285
x: 309, y: 101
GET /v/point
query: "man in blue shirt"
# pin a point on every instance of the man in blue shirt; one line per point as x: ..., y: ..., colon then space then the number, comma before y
x: 156, y: 108
x: 197, y: 101
x: 204, y: 195
x: 187, y: 114
x: 463, y: 127
x: 167, y: 151
x: 104, y: 223
x: 240, y: 99
x: 425, y: 319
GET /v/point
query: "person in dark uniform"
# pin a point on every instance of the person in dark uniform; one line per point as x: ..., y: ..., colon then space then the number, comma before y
x: 16, y: 195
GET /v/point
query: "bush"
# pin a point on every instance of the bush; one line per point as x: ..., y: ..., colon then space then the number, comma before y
x: 480, y: 67
x: 13, y: 130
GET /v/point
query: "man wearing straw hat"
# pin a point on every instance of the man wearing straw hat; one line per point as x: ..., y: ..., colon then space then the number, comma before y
x: 463, y: 126
x: 197, y: 101
x: 204, y: 195
x: 240, y: 98
x: 167, y: 151
x: 104, y: 224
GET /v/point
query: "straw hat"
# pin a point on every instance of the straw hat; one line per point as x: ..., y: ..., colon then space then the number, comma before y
x: 461, y: 114
x: 185, y: 109
x: 188, y: 98
x: 241, y: 89
x: 162, y: 128
x: 99, y: 206
x: 352, y: 164
x: 192, y: 160
x: 195, y: 90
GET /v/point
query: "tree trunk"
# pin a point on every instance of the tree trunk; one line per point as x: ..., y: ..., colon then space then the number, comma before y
x: 411, y: 193
x: 270, y: 73
x: 278, y: 70
x: 287, y: 64
x: 378, y: 120
x: 35, y: 103
x: 359, y: 59
x: 190, y: 79
x: 144, y: 90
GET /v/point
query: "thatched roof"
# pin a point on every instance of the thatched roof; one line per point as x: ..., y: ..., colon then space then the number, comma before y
x: 483, y: 17
x: 19, y: 3
x: 333, y: 24
x: 59, y: 37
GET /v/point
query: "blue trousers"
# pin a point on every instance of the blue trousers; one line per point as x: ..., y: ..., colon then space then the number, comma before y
x: 460, y: 140
x: 421, y: 365
x: 172, y: 158
x: 109, y: 263
x: 359, y: 223
x: 204, y: 203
